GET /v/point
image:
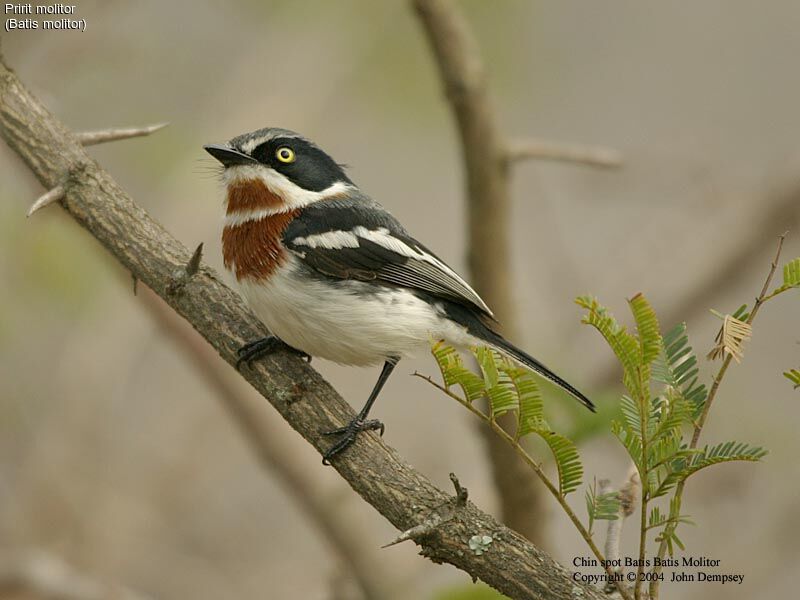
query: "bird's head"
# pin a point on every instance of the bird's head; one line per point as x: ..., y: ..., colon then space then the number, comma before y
x: 276, y: 170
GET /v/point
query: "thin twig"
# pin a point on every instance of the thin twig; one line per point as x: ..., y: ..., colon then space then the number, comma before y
x: 698, y: 428
x: 90, y: 138
x: 644, y: 478
x: 718, y: 379
x: 461, y: 492
x: 102, y: 136
x: 441, y: 514
x: 591, y: 156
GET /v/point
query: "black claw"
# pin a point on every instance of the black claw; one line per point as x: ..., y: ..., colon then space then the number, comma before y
x: 260, y: 348
x: 349, y: 433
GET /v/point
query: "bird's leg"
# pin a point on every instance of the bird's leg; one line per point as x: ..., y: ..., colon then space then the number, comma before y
x: 360, y: 423
x: 260, y: 348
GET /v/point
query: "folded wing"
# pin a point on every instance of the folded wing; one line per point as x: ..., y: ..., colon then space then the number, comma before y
x: 347, y: 240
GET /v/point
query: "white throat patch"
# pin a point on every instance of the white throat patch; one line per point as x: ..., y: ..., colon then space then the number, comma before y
x: 293, y: 195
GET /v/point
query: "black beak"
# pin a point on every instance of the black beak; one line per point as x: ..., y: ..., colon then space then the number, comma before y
x: 228, y: 156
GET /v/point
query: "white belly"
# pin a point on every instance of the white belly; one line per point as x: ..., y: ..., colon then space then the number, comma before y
x: 345, y: 321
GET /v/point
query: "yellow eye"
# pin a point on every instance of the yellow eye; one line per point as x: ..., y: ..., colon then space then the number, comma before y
x: 285, y: 154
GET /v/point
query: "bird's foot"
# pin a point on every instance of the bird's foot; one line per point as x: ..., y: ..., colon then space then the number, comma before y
x: 349, y: 433
x: 260, y: 348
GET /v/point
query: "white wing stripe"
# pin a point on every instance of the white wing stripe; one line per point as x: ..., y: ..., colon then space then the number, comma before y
x: 332, y: 240
x: 442, y: 277
x: 382, y: 237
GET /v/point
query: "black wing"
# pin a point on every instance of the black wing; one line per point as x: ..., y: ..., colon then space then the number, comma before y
x: 356, y: 238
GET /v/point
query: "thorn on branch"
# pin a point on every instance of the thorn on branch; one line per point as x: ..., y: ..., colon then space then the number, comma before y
x: 182, y: 275
x: 135, y: 283
x: 194, y: 263
x: 91, y: 138
x: 54, y: 195
x: 591, y: 156
x: 439, y: 515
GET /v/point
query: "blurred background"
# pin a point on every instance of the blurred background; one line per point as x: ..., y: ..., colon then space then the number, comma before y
x: 117, y: 457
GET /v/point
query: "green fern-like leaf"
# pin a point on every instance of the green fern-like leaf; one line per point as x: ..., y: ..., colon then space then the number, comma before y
x: 664, y: 449
x: 672, y: 540
x: 657, y: 520
x: 793, y: 375
x: 625, y: 346
x: 724, y: 452
x: 607, y: 507
x: 568, y: 461
x: 455, y: 373
x: 486, y: 361
x: 667, y: 453
x: 630, y: 440
x: 601, y: 507
x: 646, y: 327
x: 530, y: 419
x: 669, y: 414
x: 685, y: 462
x: 529, y: 398
x: 671, y: 472
x: 791, y: 277
x: 668, y: 534
x: 741, y: 313
x: 677, y: 364
x: 631, y: 416
x: 502, y: 398
x: 677, y: 368
x: 791, y: 274
x: 665, y: 482
x: 510, y: 388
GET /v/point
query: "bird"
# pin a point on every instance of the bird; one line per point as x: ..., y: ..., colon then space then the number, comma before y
x: 332, y: 274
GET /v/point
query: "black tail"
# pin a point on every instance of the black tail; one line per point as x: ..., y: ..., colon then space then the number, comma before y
x: 500, y: 344
x: 478, y: 326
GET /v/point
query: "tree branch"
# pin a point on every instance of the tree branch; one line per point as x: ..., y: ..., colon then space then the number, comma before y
x: 591, y: 156
x: 307, y: 402
x: 462, y: 73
